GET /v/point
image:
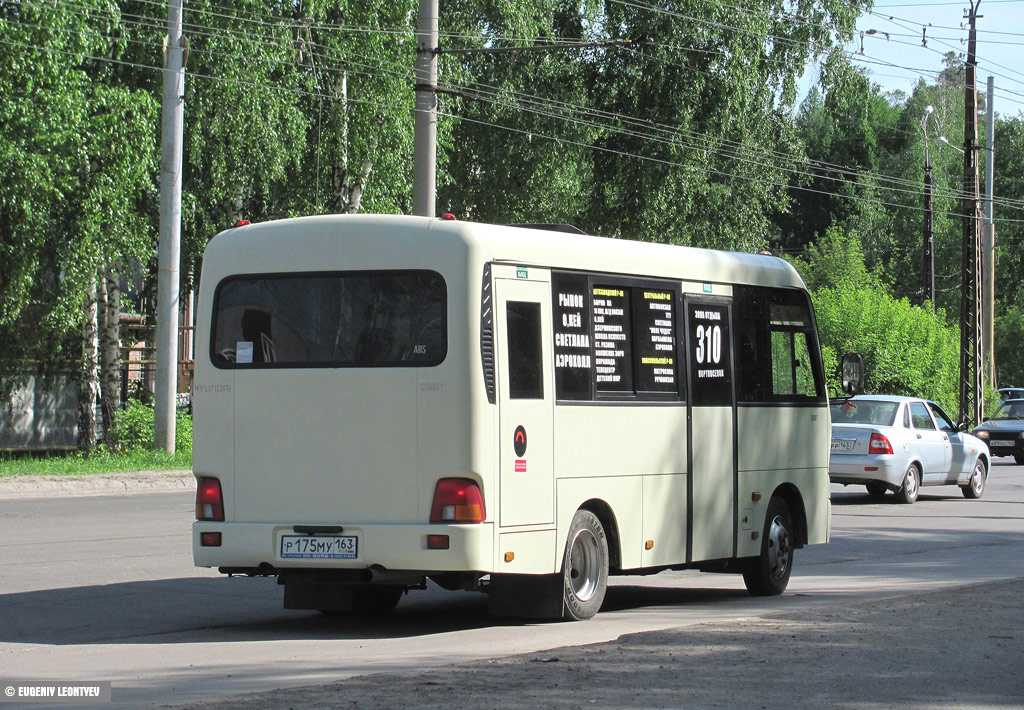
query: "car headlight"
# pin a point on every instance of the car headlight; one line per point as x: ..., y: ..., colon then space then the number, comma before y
x: 984, y: 434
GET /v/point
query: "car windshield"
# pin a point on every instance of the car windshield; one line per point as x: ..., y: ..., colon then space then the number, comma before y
x: 1010, y: 410
x: 864, y: 411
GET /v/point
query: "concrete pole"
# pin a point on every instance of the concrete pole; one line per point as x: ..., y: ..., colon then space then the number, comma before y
x: 988, y: 241
x: 929, y: 235
x: 165, y: 394
x: 424, y: 178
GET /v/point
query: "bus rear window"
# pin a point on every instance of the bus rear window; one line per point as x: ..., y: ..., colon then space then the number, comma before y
x: 348, y: 319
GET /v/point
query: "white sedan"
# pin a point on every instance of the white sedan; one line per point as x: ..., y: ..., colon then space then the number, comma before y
x: 903, y: 443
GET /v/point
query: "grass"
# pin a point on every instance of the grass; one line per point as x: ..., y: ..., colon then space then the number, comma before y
x: 99, y: 461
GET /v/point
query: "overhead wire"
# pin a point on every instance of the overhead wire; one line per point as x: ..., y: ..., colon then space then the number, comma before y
x: 472, y: 120
x: 643, y: 136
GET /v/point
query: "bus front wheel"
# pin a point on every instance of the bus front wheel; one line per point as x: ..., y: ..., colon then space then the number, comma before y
x: 584, y: 567
x: 768, y: 573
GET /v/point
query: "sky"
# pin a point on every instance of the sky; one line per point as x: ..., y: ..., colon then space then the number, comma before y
x: 1000, y: 48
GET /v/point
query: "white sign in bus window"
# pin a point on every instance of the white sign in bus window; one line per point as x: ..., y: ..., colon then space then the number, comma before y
x: 243, y: 351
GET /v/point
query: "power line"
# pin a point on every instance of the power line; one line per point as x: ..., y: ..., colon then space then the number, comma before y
x: 639, y: 135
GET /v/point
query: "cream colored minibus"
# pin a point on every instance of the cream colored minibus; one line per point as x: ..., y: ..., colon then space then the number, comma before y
x: 380, y: 401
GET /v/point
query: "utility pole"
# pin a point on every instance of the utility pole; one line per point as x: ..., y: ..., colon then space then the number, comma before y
x: 988, y: 239
x: 929, y: 235
x: 971, y: 393
x: 424, y: 178
x: 165, y: 393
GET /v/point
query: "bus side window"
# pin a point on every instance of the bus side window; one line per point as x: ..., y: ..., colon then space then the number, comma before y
x: 525, y: 364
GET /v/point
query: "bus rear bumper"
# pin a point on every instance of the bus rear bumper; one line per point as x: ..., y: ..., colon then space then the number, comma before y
x: 253, y: 546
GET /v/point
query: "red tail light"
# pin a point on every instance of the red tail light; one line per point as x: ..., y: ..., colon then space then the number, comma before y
x: 457, y: 500
x: 879, y: 445
x: 209, y: 500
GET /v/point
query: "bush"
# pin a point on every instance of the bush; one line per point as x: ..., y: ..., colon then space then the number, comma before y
x: 134, y: 428
x: 907, y: 350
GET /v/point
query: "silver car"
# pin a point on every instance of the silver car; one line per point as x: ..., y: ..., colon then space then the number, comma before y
x: 903, y: 443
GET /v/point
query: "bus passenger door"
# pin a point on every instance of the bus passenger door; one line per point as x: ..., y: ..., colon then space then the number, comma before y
x: 711, y: 519
x: 525, y: 396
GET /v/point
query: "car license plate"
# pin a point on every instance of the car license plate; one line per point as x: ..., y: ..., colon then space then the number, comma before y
x: 319, y: 547
x: 1000, y: 442
x: 843, y: 444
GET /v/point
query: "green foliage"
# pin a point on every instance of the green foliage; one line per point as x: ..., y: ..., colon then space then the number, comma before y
x: 1009, y: 327
x: 1009, y: 183
x: 133, y: 429
x: 686, y: 134
x: 78, y: 155
x: 99, y: 461
x: 835, y: 261
x: 639, y: 141
x: 907, y: 349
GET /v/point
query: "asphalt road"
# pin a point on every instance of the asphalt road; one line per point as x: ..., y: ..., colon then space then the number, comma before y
x: 103, y: 588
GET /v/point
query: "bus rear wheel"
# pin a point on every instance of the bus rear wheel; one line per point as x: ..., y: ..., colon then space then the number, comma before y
x: 768, y: 573
x: 584, y: 567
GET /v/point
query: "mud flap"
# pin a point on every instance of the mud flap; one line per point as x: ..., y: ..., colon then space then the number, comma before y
x: 526, y: 596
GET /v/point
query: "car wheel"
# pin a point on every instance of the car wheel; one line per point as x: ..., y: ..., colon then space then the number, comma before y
x: 768, y: 574
x: 1018, y: 458
x: 976, y: 486
x: 584, y: 567
x: 876, y: 490
x: 911, y: 485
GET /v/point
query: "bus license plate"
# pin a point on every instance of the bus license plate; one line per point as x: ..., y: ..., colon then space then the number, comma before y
x: 843, y: 444
x: 335, y: 547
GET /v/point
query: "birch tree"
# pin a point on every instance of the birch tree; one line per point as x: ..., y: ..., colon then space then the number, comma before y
x: 78, y: 147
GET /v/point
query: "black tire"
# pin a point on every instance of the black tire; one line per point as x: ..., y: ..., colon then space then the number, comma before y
x: 876, y: 489
x: 975, y: 488
x: 768, y: 574
x: 374, y: 600
x: 911, y: 485
x: 1019, y: 459
x: 584, y: 567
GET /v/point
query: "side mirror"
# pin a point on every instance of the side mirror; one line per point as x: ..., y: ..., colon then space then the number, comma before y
x: 853, y: 374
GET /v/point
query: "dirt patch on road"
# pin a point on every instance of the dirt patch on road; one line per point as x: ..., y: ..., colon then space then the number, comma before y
x: 945, y: 650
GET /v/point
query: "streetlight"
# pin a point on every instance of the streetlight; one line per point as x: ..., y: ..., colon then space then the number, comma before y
x: 929, y: 236
x: 944, y: 141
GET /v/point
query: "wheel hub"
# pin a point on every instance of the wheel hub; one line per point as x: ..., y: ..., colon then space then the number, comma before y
x: 584, y: 567
x: 779, y: 549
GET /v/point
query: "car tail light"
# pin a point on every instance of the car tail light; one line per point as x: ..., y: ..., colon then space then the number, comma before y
x: 457, y: 500
x: 209, y: 500
x: 879, y: 445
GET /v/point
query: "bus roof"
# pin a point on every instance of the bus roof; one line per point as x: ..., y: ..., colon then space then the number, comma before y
x: 275, y: 246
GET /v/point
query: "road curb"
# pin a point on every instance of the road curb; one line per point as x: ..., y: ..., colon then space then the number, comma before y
x: 96, y: 484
